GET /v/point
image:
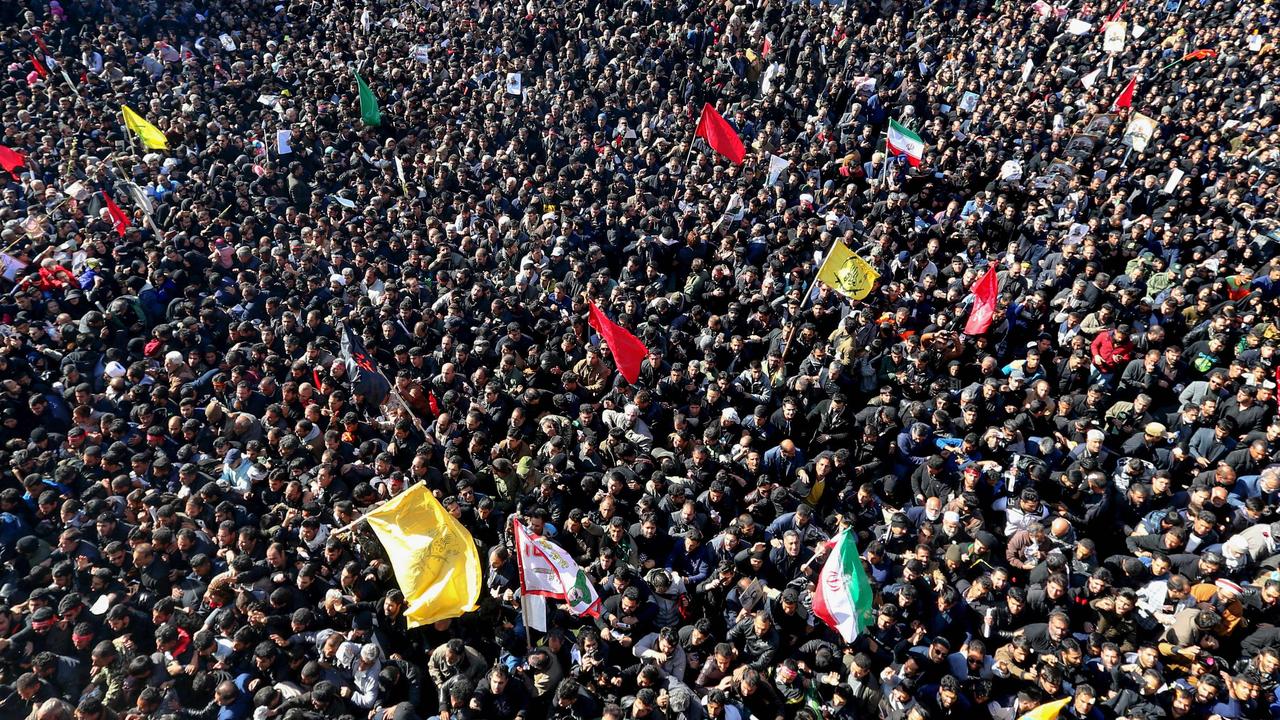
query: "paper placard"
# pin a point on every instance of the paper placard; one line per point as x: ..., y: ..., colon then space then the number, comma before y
x: 1076, y: 26
x: 1113, y: 40
x: 1139, y: 132
x: 77, y: 190
x: 776, y: 167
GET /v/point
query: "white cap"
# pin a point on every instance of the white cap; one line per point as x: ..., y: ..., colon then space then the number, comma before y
x: 114, y: 370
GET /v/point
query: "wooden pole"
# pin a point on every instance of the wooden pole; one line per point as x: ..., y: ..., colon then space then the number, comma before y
x: 795, y: 322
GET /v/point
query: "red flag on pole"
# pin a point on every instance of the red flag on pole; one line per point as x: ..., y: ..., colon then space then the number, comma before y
x: 1126, y: 95
x: 719, y: 135
x: 41, y: 70
x: 984, y: 303
x: 628, y: 351
x: 11, y: 160
x: 118, y: 216
x: 1200, y: 55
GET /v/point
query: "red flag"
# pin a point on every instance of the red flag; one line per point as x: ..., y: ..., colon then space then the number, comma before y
x: 11, y: 160
x: 1126, y: 95
x: 118, y: 217
x: 984, y: 303
x: 1205, y: 54
x: 39, y: 37
x: 627, y: 349
x: 41, y: 70
x: 719, y: 135
x: 767, y: 47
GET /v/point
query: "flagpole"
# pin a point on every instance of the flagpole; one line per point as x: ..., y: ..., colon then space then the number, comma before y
x: 528, y: 635
x: 133, y: 143
x: 348, y: 527
x: 795, y: 324
x: 884, y: 172
x: 145, y: 213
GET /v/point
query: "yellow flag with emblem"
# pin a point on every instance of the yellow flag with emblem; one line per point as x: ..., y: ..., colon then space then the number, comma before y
x: 434, y: 557
x: 846, y: 273
x: 149, y: 134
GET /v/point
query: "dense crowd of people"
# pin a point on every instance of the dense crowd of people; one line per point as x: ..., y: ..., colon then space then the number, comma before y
x: 1077, y: 504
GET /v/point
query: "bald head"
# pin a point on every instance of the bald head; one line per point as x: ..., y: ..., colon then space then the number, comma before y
x: 1059, y: 527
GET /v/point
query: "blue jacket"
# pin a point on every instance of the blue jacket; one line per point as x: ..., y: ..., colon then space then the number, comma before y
x: 694, y: 566
x: 779, y: 468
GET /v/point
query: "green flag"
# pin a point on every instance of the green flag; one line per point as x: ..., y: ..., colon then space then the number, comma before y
x: 369, y: 112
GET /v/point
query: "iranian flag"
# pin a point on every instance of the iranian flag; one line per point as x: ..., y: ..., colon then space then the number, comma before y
x: 843, y: 596
x: 902, y: 141
x: 548, y: 571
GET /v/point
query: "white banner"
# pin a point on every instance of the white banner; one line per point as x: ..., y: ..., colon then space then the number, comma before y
x: 547, y: 570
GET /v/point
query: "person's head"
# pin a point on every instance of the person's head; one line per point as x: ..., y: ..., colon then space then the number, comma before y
x: 1084, y: 700
x: 1059, y: 626
x: 761, y: 623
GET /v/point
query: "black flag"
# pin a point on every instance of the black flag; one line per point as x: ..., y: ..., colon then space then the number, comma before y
x: 366, y: 378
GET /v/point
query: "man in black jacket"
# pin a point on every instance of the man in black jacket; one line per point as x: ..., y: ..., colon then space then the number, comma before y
x: 756, y: 639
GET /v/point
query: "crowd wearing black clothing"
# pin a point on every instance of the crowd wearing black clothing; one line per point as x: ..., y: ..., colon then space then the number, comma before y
x: 1077, y: 504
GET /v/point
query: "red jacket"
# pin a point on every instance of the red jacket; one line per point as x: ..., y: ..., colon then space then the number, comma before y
x: 56, y: 278
x: 1109, y: 355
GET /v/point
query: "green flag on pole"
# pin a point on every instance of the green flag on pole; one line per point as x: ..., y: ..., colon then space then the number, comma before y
x: 369, y: 112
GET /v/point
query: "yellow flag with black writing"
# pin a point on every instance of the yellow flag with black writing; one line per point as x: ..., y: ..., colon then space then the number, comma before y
x: 434, y: 557
x: 846, y: 273
x: 149, y: 134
